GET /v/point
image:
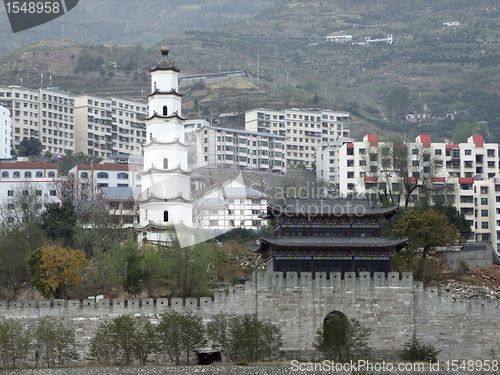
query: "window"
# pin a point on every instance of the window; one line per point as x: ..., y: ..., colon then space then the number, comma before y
x: 38, y: 193
x: 165, y: 110
x: 165, y: 216
x: 165, y: 163
x: 17, y: 174
x: 255, y: 201
x: 438, y: 152
x: 10, y: 193
x: 350, y: 163
x: 362, y: 151
x: 362, y: 163
x: 484, y: 201
x: 51, y: 174
x: 414, y: 151
x: 5, y: 174
x: 256, y: 223
x: 102, y: 175
x: 84, y: 175
x: 39, y: 174
x: 122, y: 176
x: 468, y: 152
x: 484, y: 225
x: 350, y: 174
x: 484, y: 213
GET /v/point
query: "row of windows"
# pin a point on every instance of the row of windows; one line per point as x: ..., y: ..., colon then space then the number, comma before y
x: 38, y: 193
x: 120, y: 176
x: 28, y: 174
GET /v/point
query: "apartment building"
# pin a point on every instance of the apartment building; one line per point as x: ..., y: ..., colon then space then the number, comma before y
x: 226, y: 148
x: 109, y: 126
x: 5, y: 133
x: 304, y: 129
x: 44, y: 114
x: 25, y: 189
x: 327, y: 160
x: 463, y: 175
x: 118, y: 184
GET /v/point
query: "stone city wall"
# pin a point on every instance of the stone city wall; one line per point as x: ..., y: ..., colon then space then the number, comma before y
x: 392, y: 307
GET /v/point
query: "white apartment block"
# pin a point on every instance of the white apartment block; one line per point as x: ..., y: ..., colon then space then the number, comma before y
x: 5, y: 133
x: 327, y: 160
x: 230, y: 205
x: 108, y: 175
x: 109, y: 126
x: 44, y: 114
x: 226, y: 148
x: 304, y: 129
x: 463, y: 175
x: 118, y: 184
x: 37, y: 183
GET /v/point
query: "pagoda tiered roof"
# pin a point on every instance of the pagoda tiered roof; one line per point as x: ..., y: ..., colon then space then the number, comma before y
x: 329, y: 207
x: 329, y: 242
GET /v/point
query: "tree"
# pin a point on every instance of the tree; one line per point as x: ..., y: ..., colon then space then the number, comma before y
x: 15, y: 342
x: 134, y: 275
x: 85, y: 62
x: 23, y: 212
x: 245, y: 338
x: 456, y: 218
x: 402, y: 169
x: 414, y: 351
x: 466, y: 129
x: 14, y: 252
x: 342, y: 339
x: 425, y: 230
x: 103, y: 348
x: 145, y: 342
x: 180, y: 334
x: 59, y: 221
x: 287, y: 95
x: 187, y: 269
x: 56, y: 270
x: 397, y: 98
x: 123, y: 331
x: 55, y: 342
x: 30, y: 147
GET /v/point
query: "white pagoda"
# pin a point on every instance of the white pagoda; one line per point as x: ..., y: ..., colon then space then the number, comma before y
x: 165, y: 199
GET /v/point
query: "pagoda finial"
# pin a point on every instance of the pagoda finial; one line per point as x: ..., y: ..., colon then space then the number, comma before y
x: 164, y: 51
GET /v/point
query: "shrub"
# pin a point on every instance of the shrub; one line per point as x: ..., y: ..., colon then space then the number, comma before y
x: 414, y: 351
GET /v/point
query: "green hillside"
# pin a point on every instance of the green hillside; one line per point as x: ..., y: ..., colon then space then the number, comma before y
x: 429, y: 68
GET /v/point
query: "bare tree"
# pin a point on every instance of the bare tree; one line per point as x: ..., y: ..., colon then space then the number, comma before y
x: 404, y: 171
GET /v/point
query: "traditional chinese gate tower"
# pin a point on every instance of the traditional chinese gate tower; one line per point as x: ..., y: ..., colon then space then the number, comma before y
x: 329, y: 235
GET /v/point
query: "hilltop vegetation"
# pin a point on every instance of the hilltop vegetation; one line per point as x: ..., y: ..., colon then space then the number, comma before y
x: 130, y: 22
x: 439, y: 70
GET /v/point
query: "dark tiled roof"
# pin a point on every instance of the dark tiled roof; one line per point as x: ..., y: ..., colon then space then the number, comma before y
x: 165, y: 64
x: 332, y: 242
x: 335, y: 206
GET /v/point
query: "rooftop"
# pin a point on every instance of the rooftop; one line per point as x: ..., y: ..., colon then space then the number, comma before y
x: 334, y: 206
x: 330, y: 242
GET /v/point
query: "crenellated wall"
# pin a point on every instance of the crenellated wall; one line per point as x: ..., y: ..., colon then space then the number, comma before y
x: 392, y: 307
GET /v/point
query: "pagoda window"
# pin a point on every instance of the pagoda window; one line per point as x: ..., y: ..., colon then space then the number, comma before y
x: 165, y: 163
x: 165, y: 110
x: 165, y: 216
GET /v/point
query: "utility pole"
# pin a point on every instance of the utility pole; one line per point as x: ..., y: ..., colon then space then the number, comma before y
x: 258, y: 57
